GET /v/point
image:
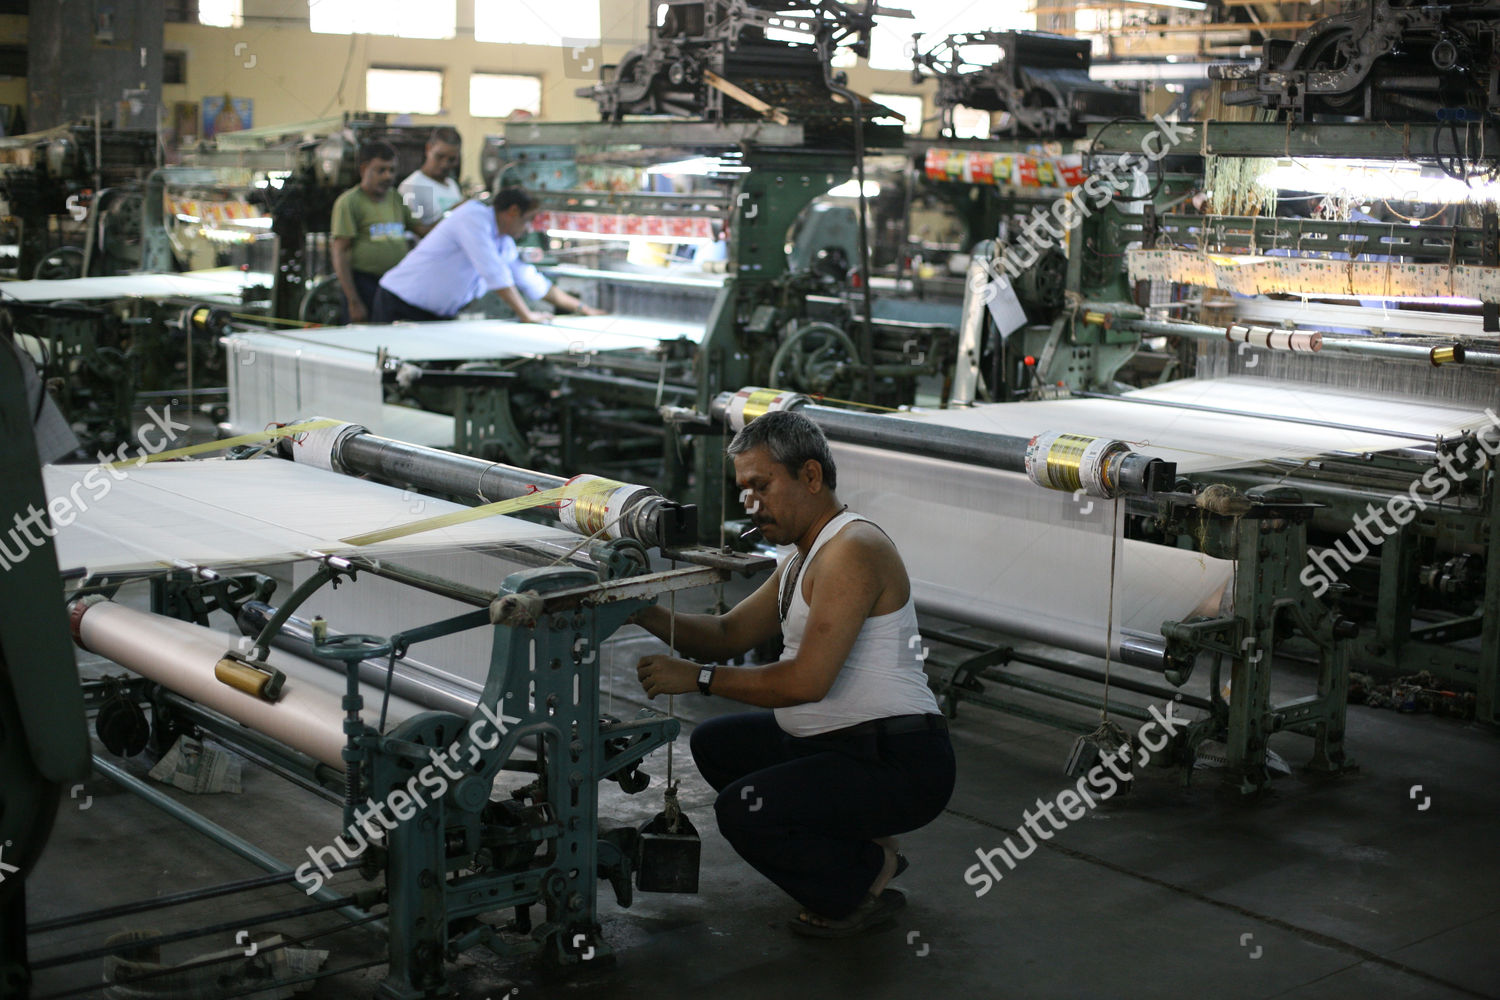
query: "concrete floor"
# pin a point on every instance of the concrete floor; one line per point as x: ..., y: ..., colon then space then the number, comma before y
x: 1320, y: 888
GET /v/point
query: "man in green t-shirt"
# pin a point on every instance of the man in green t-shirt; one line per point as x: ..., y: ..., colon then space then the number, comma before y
x: 369, y: 230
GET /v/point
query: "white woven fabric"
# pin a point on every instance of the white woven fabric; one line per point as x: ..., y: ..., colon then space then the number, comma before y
x: 225, y: 514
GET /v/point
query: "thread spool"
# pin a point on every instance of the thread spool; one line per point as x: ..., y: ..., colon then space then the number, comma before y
x: 1058, y: 460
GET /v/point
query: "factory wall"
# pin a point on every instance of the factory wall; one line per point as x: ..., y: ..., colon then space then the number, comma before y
x: 13, y: 32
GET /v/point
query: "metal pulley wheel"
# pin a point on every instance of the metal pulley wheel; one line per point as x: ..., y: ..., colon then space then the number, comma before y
x: 60, y: 264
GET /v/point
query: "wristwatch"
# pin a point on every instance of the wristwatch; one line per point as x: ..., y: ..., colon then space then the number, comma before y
x: 706, y: 676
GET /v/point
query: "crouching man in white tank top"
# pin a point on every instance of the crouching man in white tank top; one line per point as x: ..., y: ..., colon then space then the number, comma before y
x: 854, y: 752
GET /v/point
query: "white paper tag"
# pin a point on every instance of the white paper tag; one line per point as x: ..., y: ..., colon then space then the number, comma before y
x: 1005, y: 307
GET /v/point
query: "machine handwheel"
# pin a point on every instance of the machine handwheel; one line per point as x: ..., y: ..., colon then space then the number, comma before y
x: 352, y: 647
x: 60, y: 264
x: 323, y: 302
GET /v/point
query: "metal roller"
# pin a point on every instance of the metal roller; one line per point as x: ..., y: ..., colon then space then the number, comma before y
x: 1054, y: 459
x: 604, y: 507
x: 183, y: 657
x: 1272, y: 339
x: 1136, y: 649
x: 1303, y: 340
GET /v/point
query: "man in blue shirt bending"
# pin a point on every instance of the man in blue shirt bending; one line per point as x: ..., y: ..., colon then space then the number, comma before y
x: 470, y: 252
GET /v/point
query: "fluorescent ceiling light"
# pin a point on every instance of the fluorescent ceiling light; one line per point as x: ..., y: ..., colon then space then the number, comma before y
x: 1431, y: 300
x: 850, y: 189
x: 697, y: 166
x: 1369, y: 179
x: 626, y: 237
x: 1148, y: 71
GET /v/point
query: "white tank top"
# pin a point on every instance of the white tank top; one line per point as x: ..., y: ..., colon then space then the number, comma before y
x: 881, y: 677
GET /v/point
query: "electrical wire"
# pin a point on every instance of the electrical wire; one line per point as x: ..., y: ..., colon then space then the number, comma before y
x: 338, y: 96
x: 1109, y: 616
x: 1408, y: 218
x: 671, y: 698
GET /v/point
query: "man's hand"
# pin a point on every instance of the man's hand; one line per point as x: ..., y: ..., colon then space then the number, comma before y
x: 592, y: 311
x: 531, y: 316
x: 661, y: 674
x: 357, y: 311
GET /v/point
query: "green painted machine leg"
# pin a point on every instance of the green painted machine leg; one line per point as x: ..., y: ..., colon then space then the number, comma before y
x: 418, y: 922
x: 1333, y: 688
x: 1249, y: 700
x: 1269, y: 544
x: 456, y: 859
x: 574, y: 763
x: 1398, y: 576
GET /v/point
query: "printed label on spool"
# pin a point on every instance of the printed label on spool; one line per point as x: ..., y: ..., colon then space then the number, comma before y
x: 752, y: 402
x: 1061, y: 461
x: 594, y: 505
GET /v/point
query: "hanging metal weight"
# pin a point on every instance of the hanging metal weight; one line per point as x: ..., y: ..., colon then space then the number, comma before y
x: 669, y: 851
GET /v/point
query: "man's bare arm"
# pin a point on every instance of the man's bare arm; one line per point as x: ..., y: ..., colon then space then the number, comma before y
x: 750, y: 623
x: 851, y: 579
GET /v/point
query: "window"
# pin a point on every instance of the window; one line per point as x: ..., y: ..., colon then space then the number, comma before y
x: 890, y: 41
x: 1096, y: 23
x: 402, y: 18
x: 222, y: 13
x: 498, y: 95
x: 13, y: 61
x: 909, y: 105
x: 173, y: 67
x: 536, y: 22
x: 843, y: 57
x: 404, y: 91
x: 970, y: 123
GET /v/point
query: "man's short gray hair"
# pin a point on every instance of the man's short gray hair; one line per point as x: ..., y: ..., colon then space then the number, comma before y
x: 791, y: 438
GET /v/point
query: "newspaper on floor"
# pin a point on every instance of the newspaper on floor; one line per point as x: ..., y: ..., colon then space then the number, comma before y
x: 194, y: 767
x: 268, y: 962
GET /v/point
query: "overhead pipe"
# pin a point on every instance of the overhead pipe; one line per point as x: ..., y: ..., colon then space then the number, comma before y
x: 1313, y: 341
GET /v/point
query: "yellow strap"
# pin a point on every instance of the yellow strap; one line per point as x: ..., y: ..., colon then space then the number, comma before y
x: 198, y: 449
x: 819, y: 400
x: 261, y: 318
x: 530, y: 500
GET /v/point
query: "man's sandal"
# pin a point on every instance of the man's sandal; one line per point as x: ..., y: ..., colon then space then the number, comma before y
x: 874, y: 912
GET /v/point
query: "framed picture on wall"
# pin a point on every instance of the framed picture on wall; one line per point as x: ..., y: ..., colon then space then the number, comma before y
x: 227, y: 114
